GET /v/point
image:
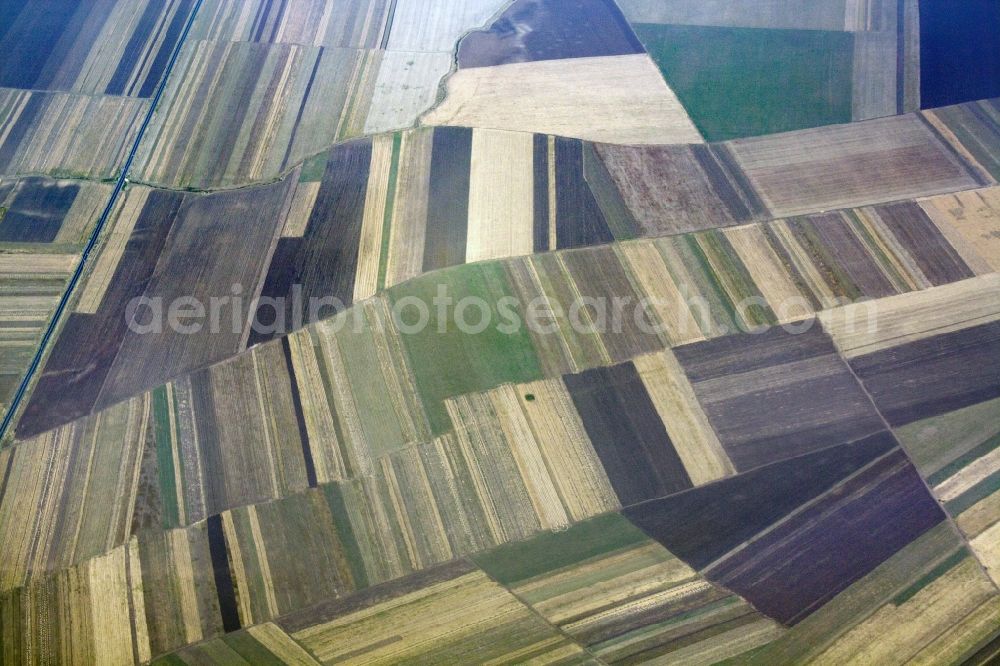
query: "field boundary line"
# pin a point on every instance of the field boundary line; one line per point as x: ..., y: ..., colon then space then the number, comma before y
x: 95, y: 235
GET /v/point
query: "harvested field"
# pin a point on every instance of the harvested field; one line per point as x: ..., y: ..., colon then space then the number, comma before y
x: 437, y: 25
x: 30, y: 286
x: 260, y: 642
x: 54, y: 215
x: 533, y: 30
x: 777, y: 395
x: 859, y: 484
x: 342, y: 235
x: 95, y: 626
x: 407, y: 86
x: 502, y: 173
x: 471, y: 393
x: 709, y: 294
x: 354, y: 422
x: 347, y: 233
x: 691, y: 435
x: 357, y: 24
x: 860, y: 253
x: 62, y: 134
x: 581, y: 97
x: 96, y: 468
x: 674, y: 189
x: 623, y: 596
x: 242, y: 112
x: 576, y: 325
x: 380, y: 63
x: 35, y: 210
x: 971, y: 223
x: 488, y: 359
x: 191, y: 265
x: 322, y: 261
x: 99, y: 47
x: 937, y: 374
x: 885, y: 611
x: 157, y: 237
x: 972, y: 129
x: 631, y: 440
x: 851, y: 165
x: 865, y: 328
x: 920, y: 623
x: 403, y: 623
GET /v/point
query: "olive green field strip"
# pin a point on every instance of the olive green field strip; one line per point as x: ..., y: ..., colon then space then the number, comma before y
x: 261, y: 86
x: 375, y: 212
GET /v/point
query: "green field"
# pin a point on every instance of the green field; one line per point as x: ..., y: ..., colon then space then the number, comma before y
x: 738, y: 82
x: 448, y: 362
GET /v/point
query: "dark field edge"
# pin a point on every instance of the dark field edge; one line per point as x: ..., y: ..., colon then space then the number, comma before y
x: 22, y: 389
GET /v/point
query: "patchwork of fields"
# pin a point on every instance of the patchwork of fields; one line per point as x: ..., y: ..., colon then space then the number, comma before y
x: 552, y: 331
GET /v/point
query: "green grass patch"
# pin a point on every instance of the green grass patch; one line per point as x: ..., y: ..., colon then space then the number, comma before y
x: 448, y: 361
x: 739, y: 82
x: 549, y: 551
x: 313, y: 168
x: 378, y: 417
x: 334, y: 494
x: 165, y: 458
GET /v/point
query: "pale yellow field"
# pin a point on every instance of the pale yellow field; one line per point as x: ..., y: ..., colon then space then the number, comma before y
x: 971, y: 223
x: 406, y: 87
x: 863, y: 328
x: 690, y: 432
x: 501, y: 188
x: 616, y: 99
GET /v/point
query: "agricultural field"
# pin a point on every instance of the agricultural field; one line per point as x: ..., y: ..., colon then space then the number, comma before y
x: 66, y: 134
x: 43, y: 226
x: 94, y: 48
x: 374, y: 213
x: 377, y: 213
x: 485, y: 331
x: 752, y: 68
x: 262, y: 86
